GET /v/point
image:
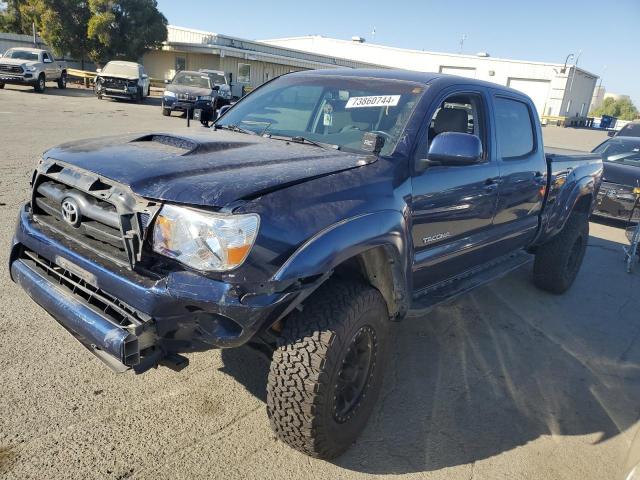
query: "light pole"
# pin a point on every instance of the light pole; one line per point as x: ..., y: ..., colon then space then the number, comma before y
x: 462, y: 39
x: 575, y: 65
x: 564, y: 69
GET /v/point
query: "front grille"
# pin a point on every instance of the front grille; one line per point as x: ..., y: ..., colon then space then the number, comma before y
x: 615, y: 189
x: 97, y: 221
x: 11, y: 69
x: 117, y: 83
x: 185, y: 97
x: 100, y: 215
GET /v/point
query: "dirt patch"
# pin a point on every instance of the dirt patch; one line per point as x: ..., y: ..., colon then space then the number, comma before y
x: 8, y: 459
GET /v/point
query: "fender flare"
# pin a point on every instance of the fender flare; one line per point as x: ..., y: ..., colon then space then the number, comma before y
x: 349, y: 238
x: 566, y: 204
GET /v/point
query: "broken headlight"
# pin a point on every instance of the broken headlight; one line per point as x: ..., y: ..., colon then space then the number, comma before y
x: 203, y: 240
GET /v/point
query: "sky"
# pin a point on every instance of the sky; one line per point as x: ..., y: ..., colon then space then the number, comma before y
x: 607, y: 33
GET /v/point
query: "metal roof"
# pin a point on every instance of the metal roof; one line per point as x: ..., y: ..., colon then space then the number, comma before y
x: 210, y: 42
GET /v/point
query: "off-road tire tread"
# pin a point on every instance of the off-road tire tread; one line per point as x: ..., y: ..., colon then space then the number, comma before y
x: 298, y: 380
x: 550, y: 271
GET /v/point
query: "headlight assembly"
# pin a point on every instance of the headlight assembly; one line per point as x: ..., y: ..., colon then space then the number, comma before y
x: 167, y: 93
x: 31, y: 68
x: 203, y: 240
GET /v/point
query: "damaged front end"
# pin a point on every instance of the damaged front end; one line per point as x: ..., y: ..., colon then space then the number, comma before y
x: 78, y: 252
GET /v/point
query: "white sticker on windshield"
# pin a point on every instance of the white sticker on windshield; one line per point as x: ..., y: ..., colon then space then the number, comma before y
x: 373, y: 101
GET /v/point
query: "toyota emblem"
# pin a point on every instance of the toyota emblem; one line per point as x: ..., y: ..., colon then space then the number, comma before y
x: 71, y: 212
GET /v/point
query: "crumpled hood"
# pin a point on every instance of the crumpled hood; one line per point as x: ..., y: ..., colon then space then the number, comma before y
x: 622, y: 174
x: 207, y: 169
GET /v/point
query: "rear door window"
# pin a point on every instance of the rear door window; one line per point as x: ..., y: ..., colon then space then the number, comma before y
x: 514, y: 128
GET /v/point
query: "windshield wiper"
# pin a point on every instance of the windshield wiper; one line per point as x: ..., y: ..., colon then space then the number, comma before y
x: 235, y: 128
x: 301, y: 139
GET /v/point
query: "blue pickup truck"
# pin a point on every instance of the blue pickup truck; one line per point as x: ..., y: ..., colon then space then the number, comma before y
x: 316, y: 211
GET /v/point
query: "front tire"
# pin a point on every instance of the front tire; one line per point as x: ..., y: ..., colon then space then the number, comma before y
x: 41, y: 84
x: 557, y: 262
x: 62, y: 81
x: 327, y: 371
x: 166, y: 112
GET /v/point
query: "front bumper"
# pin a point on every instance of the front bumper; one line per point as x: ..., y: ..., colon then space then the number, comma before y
x: 174, y: 105
x: 127, y: 93
x: 26, y: 79
x: 145, y: 319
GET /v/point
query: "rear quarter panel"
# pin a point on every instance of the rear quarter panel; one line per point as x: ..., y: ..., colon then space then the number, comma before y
x: 572, y: 177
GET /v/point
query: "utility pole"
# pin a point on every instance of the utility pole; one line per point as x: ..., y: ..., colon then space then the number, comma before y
x: 33, y: 30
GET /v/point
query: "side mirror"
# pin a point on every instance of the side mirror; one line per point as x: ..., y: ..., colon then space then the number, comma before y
x: 167, y: 82
x: 145, y: 76
x: 454, y: 149
x: 611, y: 133
x: 98, y: 70
x: 216, y: 87
x: 223, y: 110
x: 47, y: 60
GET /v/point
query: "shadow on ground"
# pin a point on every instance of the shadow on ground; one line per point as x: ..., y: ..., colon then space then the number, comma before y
x: 498, y: 368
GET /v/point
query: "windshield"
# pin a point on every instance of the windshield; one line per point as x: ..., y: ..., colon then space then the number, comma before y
x: 630, y: 130
x: 120, y: 69
x: 216, y: 78
x: 620, y: 151
x: 22, y: 55
x: 192, y: 79
x: 330, y: 110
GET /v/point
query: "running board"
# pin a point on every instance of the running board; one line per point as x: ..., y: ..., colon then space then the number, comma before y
x: 432, y: 296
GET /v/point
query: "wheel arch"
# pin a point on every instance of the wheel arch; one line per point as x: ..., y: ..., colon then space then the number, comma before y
x: 370, y: 248
x: 579, y: 199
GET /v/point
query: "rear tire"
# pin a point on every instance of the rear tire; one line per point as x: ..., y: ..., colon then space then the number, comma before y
x: 41, y: 84
x: 62, y: 81
x: 327, y: 371
x: 1, y: 86
x: 557, y: 262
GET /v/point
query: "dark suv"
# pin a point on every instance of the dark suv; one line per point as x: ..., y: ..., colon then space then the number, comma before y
x: 191, y: 92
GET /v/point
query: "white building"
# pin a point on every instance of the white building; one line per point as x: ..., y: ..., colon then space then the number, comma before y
x: 555, y: 90
x: 247, y: 63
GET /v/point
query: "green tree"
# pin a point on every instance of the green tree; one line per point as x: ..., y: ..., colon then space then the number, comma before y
x: 11, y: 20
x: 125, y: 28
x: 623, y: 109
x: 62, y: 24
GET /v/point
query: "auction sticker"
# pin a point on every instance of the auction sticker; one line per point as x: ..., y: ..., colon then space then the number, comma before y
x: 373, y: 101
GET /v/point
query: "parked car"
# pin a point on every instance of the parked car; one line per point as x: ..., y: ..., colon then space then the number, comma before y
x: 122, y: 80
x: 319, y: 209
x: 219, y: 79
x: 193, y: 93
x: 31, y: 66
x: 621, y: 156
x: 629, y: 130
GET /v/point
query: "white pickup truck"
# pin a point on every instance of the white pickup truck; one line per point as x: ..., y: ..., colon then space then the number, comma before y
x: 31, y: 66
